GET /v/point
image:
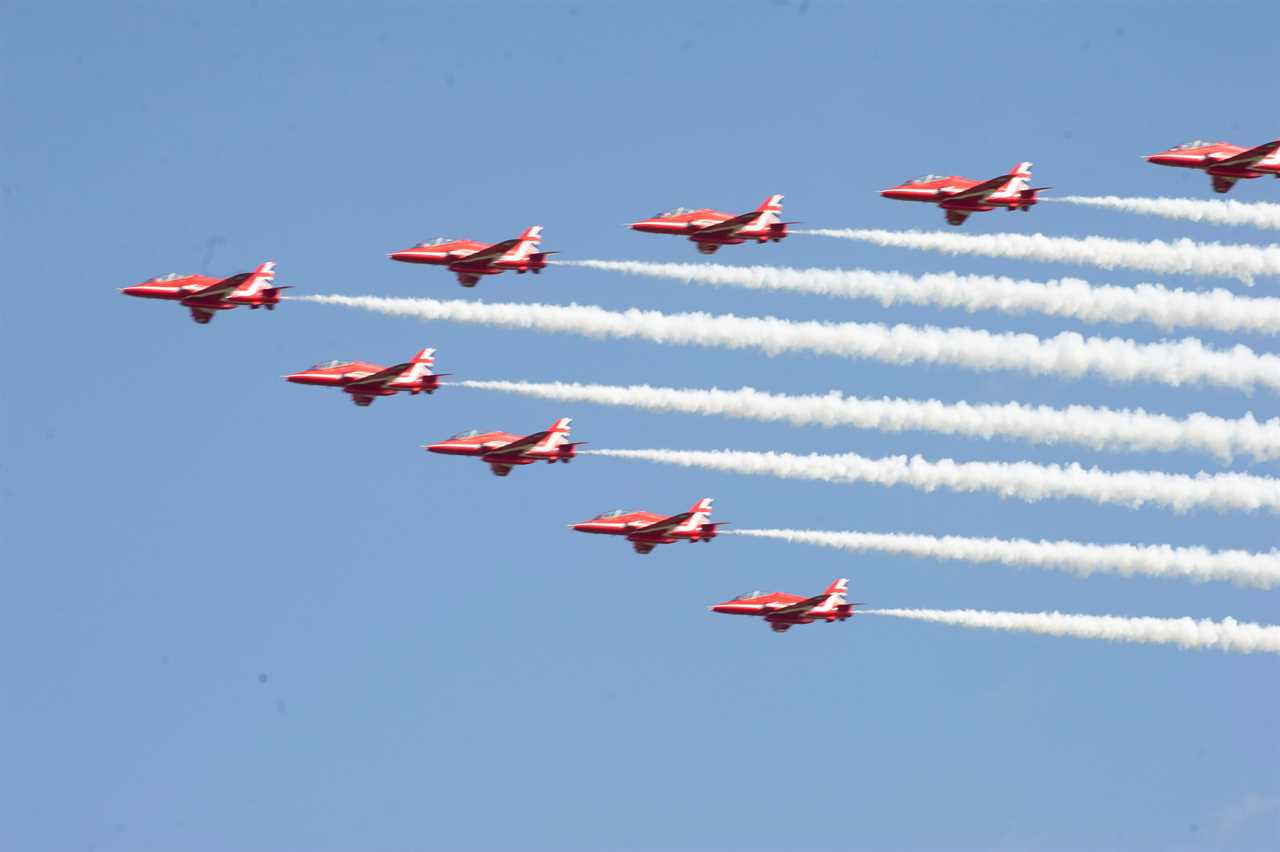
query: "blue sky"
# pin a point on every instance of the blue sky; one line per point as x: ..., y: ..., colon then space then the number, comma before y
x: 239, y: 614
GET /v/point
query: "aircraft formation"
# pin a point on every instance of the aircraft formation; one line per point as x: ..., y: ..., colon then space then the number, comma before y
x: 709, y: 230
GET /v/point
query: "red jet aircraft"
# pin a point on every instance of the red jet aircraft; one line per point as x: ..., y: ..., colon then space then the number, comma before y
x: 646, y: 530
x: 205, y: 296
x: 503, y: 451
x: 469, y: 260
x: 366, y: 381
x: 960, y: 197
x: 1223, y: 162
x: 710, y: 229
x: 782, y: 610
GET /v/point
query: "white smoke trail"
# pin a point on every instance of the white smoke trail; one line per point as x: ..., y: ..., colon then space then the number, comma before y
x: 1096, y: 428
x: 1212, y: 212
x: 1166, y: 308
x: 1024, y: 480
x: 1226, y: 635
x: 1183, y: 256
x: 1197, y: 564
x: 1068, y: 354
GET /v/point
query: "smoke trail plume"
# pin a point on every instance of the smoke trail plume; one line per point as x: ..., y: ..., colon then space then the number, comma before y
x: 1068, y: 354
x: 1226, y: 635
x: 1164, y: 307
x: 1096, y: 428
x: 1183, y: 256
x: 1209, y: 211
x: 1197, y: 564
x: 1024, y: 480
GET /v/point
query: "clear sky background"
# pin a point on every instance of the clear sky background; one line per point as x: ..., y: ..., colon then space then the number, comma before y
x: 243, y: 615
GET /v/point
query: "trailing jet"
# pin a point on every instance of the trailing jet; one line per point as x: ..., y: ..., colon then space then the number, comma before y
x: 782, y: 610
x: 503, y: 451
x: 470, y: 260
x: 646, y: 530
x: 205, y: 296
x: 365, y: 381
x: 1223, y: 162
x: 710, y: 229
x: 960, y: 197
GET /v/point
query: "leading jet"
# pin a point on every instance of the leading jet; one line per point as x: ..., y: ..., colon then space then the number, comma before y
x: 1223, y: 162
x: 205, y: 296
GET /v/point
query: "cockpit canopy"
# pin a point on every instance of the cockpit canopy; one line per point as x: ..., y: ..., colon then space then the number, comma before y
x: 749, y: 595
x: 172, y: 276
x: 614, y: 514
x: 927, y: 178
x: 328, y: 364
x: 438, y: 241
x: 1195, y: 143
x: 470, y: 433
x: 674, y: 211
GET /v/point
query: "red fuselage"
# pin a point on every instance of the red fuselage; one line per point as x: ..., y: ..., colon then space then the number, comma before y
x: 1209, y: 156
x: 707, y: 228
x: 347, y: 375
x: 939, y: 190
x: 469, y: 260
x: 767, y: 606
x: 689, y: 224
x: 186, y: 290
x: 645, y: 530
x: 489, y: 446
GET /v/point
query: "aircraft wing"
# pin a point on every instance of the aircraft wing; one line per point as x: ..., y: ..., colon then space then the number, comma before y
x: 380, y: 378
x: 518, y: 446
x: 485, y: 256
x: 663, y: 525
x: 799, y: 607
x: 983, y: 189
x: 221, y: 289
x: 1253, y: 155
x: 728, y: 226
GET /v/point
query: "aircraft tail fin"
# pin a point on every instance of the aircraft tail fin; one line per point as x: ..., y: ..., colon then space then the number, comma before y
x: 769, y: 211
x: 421, y: 365
x: 526, y: 243
x: 1019, y: 176
x: 258, y: 280
x: 772, y: 204
x: 557, y: 435
x: 836, y: 606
